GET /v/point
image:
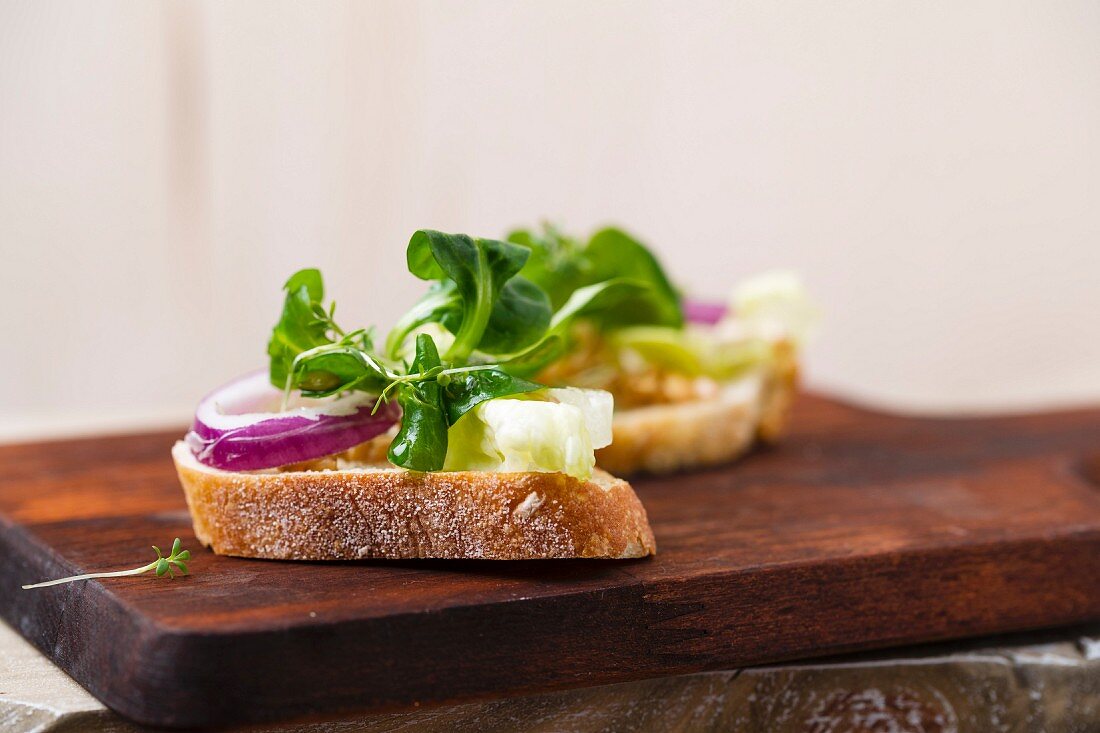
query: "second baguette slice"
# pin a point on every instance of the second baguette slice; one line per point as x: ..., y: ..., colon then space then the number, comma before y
x: 665, y: 438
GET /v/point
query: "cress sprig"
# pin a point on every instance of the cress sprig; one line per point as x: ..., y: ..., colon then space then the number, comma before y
x: 162, y: 565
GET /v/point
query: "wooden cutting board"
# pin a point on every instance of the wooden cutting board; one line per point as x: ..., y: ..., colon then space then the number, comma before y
x: 861, y: 530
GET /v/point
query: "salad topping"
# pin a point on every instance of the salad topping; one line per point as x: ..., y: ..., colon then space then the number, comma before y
x: 460, y: 380
x: 501, y: 328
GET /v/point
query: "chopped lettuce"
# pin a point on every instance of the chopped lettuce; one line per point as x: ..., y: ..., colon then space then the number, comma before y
x: 693, y: 353
x: 596, y: 406
x: 774, y: 305
x: 553, y: 430
x: 764, y: 309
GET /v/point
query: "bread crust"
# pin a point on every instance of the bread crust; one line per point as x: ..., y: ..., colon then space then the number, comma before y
x: 387, y: 512
x: 665, y: 438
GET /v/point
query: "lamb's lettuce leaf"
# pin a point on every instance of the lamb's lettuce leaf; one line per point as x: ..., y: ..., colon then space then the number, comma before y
x: 441, y: 300
x: 421, y: 442
x: 561, y: 265
x: 465, y: 391
x: 557, y: 263
x: 494, y: 311
x: 555, y: 341
x: 612, y: 253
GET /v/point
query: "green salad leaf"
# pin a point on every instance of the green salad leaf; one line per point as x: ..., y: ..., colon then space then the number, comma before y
x: 519, y: 318
x: 421, y: 443
x: 494, y: 310
x: 561, y: 265
x: 679, y: 351
x: 465, y: 391
x: 557, y: 263
x: 614, y: 253
x: 555, y: 342
x: 338, y: 367
x: 441, y: 299
x: 303, y: 325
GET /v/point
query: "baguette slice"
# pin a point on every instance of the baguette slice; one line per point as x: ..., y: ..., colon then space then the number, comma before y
x: 665, y: 438
x: 372, y: 511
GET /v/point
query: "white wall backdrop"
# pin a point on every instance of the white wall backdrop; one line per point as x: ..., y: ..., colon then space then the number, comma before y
x: 933, y: 169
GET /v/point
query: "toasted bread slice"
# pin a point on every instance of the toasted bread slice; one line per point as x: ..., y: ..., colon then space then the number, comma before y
x: 361, y: 511
x: 664, y: 438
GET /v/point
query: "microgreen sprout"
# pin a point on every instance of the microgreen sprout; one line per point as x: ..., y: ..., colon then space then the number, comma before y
x: 438, y: 373
x: 162, y: 565
x: 326, y: 319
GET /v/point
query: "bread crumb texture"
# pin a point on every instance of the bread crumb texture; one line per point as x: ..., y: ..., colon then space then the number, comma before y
x: 355, y: 514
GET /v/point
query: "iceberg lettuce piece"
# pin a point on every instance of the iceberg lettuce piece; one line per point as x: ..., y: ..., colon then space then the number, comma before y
x: 597, y: 407
x: 553, y: 430
x: 695, y: 353
x: 774, y: 305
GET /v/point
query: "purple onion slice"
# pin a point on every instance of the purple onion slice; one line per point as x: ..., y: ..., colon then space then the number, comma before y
x: 236, y: 427
x: 703, y: 311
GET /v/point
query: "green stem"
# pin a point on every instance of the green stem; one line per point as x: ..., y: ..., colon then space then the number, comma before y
x: 425, y: 311
x: 89, y: 576
x: 303, y: 355
x: 462, y: 370
x: 162, y: 565
x: 474, y: 323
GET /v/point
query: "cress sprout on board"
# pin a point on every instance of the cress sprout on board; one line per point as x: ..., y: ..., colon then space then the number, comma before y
x: 162, y: 565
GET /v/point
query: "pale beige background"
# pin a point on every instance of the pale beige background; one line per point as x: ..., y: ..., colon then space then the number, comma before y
x: 932, y: 168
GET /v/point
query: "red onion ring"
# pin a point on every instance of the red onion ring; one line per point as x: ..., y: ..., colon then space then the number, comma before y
x: 235, y: 431
x: 703, y: 311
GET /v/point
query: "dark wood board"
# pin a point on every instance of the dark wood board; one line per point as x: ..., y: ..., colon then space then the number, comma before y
x: 862, y: 530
